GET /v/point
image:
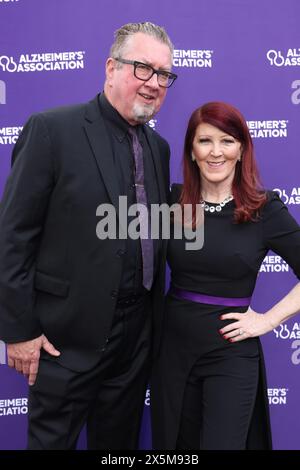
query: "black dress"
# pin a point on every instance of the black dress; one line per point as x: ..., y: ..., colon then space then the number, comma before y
x: 226, y: 266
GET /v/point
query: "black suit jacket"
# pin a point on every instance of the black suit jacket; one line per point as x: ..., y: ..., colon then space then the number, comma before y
x: 56, y: 276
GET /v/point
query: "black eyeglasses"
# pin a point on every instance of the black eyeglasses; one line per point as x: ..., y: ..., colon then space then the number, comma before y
x: 145, y: 72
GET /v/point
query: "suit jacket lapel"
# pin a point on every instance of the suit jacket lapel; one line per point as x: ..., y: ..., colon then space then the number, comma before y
x: 102, y: 151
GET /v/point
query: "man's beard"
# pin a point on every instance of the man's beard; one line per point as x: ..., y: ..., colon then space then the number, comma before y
x: 143, y: 113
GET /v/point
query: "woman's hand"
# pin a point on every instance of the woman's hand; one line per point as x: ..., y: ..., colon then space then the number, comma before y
x: 247, y: 325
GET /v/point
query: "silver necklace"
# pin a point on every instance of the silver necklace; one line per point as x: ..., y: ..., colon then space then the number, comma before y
x: 218, y: 207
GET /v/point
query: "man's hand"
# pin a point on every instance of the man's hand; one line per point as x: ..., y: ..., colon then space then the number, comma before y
x: 24, y: 356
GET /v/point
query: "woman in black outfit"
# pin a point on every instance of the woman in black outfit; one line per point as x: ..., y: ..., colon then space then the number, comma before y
x: 209, y: 389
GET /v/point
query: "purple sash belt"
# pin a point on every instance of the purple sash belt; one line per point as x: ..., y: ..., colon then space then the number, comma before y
x: 210, y: 299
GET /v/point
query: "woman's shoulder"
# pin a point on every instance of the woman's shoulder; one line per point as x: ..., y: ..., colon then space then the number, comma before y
x: 273, y: 197
x: 273, y: 203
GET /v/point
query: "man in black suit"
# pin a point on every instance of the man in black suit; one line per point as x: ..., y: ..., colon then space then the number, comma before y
x: 75, y: 311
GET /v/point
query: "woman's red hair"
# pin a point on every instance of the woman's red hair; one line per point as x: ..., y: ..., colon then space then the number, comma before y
x: 246, y: 188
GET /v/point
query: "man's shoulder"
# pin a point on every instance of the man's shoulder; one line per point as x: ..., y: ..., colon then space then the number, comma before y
x: 67, y: 112
x: 64, y: 110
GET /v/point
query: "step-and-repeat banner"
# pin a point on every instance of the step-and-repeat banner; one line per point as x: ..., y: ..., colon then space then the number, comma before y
x: 245, y: 52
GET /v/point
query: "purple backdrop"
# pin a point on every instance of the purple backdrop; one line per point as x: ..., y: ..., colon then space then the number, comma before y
x: 245, y: 52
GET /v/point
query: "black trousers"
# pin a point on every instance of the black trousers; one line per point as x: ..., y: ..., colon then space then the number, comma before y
x: 218, y: 403
x: 109, y: 397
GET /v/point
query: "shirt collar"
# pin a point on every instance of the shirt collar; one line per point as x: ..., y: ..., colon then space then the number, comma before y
x: 119, y: 124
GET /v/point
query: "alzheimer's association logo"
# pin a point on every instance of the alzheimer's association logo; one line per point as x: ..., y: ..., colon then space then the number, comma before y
x: 289, y: 197
x: 147, y: 397
x: 152, y: 123
x: 273, y: 264
x: 290, y: 333
x: 280, y: 59
x: 13, y: 406
x: 192, y: 58
x: 9, y: 135
x: 287, y: 331
x: 43, y: 62
x: 277, y: 396
x: 7, y: 64
x: 268, y: 128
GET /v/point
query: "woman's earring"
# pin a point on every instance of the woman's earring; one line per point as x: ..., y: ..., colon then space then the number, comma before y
x: 193, y: 157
